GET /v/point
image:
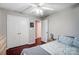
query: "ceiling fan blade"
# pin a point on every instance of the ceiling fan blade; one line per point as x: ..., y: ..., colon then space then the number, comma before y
x: 46, y: 8
x: 31, y: 4
x: 41, y: 4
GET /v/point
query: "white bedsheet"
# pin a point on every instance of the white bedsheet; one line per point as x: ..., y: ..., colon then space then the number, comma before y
x: 51, y: 48
x: 54, y: 48
x: 34, y: 51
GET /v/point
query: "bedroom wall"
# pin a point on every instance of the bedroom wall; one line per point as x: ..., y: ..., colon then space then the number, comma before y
x: 65, y: 22
x: 32, y: 31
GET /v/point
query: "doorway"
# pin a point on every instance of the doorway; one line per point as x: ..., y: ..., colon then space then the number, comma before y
x: 38, y: 32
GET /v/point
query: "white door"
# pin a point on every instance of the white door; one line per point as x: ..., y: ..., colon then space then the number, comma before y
x: 45, y: 30
x: 17, y: 31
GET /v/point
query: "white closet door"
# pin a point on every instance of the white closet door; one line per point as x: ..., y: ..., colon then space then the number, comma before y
x: 17, y: 31
x: 45, y: 30
x: 23, y: 31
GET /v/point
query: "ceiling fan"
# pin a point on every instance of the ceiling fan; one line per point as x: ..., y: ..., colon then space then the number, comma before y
x: 40, y: 5
x: 39, y: 8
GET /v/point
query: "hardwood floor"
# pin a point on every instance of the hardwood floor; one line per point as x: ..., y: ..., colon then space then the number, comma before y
x: 17, y: 50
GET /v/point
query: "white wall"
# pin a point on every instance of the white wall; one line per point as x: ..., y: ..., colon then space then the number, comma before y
x: 3, y: 22
x: 65, y: 22
x: 32, y: 30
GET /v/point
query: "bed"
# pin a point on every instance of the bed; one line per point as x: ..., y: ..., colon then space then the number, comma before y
x: 65, y: 45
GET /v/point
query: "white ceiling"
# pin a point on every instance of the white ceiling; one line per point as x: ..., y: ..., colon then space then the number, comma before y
x: 36, y: 9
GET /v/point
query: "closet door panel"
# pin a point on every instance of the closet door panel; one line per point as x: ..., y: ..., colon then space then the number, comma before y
x: 17, y: 31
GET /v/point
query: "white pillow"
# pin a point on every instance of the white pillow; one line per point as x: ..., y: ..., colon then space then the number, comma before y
x: 70, y: 50
x: 66, y: 40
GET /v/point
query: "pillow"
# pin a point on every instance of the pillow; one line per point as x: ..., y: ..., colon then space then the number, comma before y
x: 71, y: 50
x: 76, y: 42
x: 66, y: 40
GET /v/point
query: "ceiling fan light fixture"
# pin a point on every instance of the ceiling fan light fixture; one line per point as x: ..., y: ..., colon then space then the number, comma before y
x: 39, y: 11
